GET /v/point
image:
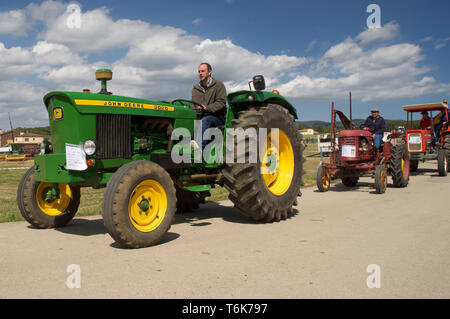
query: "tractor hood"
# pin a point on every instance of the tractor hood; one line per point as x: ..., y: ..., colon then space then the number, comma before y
x: 354, y: 133
x: 93, y: 103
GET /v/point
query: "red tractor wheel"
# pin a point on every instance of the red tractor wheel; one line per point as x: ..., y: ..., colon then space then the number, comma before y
x: 323, y: 179
x: 399, y: 165
x: 380, y: 179
x: 442, y: 162
x: 446, y: 147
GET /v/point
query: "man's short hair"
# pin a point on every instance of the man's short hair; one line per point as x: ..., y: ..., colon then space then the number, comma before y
x: 207, y: 65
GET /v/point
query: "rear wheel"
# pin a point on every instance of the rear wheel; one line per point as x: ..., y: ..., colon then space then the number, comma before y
x: 380, y: 179
x: 447, y: 149
x: 265, y: 188
x: 139, y: 204
x: 323, y: 179
x: 46, y: 205
x: 442, y: 162
x: 399, y: 165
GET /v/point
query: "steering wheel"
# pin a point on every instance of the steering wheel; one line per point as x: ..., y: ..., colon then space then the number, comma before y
x: 200, y: 112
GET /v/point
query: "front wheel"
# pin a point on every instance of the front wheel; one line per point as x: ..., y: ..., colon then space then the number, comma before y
x: 46, y: 205
x: 380, y: 179
x: 323, y: 179
x: 139, y: 204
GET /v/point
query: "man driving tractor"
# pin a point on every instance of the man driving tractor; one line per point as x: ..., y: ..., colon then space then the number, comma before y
x: 438, y: 121
x: 212, y: 96
x: 376, y: 125
x: 425, y: 122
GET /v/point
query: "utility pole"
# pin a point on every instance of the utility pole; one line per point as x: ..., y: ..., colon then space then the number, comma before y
x: 10, y: 124
x: 350, y: 97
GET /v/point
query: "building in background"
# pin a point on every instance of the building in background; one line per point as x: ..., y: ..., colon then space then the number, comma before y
x: 28, y: 144
x: 6, y: 138
x: 308, y: 131
x: 28, y: 138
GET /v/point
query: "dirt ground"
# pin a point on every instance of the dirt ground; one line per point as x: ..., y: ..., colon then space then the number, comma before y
x: 336, y: 245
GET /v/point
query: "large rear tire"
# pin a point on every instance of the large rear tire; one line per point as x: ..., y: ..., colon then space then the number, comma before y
x: 266, y: 190
x: 442, y: 162
x: 399, y: 165
x: 44, y: 206
x: 447, y: 149
x: 139, y: 204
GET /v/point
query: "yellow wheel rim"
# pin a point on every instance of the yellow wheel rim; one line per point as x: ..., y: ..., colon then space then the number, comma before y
x: 52, y: 206
x: 147, y: 205
x: 277, y: 165
x: 325, y: 178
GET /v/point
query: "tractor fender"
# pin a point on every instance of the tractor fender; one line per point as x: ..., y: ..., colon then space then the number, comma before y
x: 236, y: 99
x: 387, y: 149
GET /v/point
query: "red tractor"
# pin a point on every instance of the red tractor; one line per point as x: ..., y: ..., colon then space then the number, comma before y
x: 355, y: 156
x: 432, y: 140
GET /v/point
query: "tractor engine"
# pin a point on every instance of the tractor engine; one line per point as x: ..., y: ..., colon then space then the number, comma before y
x: 355, y: 146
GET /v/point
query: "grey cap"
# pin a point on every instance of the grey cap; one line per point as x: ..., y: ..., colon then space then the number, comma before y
x: 375, y: 109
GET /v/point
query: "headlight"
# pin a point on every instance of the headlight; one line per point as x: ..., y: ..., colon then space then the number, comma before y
x: 89, y: 147
x: 46, y: 147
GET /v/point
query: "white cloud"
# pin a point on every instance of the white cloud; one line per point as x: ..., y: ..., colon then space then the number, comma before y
x: 386, y: 72
x: 197, y: 21
x: 311, y: 45
x: 24, y: 102
x: 54, y: 54
x: 161, y: 63
x: 14, y: 22
x: 441, y: 43
x: 20, y: 22
x: 15, y: 61
x: 387, y: 32
x: 98, y: 32
x: 46, y: 11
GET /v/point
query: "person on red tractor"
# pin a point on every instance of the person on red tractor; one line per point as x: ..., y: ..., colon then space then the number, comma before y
x: 438, y: 121
x: 425, y: 122
x: 376, y: 125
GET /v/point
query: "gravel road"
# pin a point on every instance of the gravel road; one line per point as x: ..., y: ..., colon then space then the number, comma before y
x: 329, y: 248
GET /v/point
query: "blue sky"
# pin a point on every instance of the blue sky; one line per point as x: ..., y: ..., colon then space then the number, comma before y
x: 313, y: 52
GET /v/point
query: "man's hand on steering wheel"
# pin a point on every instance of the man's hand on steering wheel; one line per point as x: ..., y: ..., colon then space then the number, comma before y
x: 199, y: 108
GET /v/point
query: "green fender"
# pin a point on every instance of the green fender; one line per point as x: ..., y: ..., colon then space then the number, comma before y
x: 238, y: 98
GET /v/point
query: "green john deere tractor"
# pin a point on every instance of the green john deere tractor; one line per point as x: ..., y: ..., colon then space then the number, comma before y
x: 130, y: 146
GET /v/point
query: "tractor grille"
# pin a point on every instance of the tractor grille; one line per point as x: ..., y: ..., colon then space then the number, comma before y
x: 414, y: 142
x: 113, y: 136
x: 347, y: 141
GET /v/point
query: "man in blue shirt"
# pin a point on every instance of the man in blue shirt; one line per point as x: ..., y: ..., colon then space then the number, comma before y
x: 376, y: 125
